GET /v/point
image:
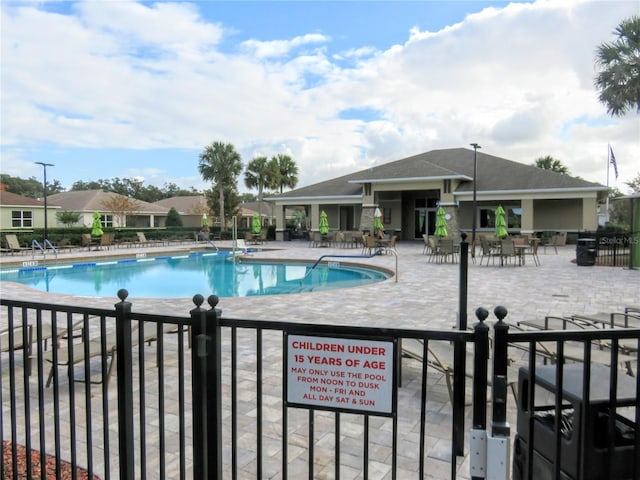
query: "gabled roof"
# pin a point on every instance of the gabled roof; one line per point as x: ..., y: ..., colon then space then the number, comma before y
x: 494, y: 174
x: 94, y: 201
x: 9, y: 199
x: 186, y: 205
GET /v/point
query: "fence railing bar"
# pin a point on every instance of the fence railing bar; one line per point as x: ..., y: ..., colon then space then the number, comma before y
x: 89, y: 414
x: 40, y: 376
x: 365, y: 467
x: 613, y: 397
x: 259, y: 401
x: 181, y: 400
x: 105, y: 408
x: 586, y: 395
x: 71, y: 379
x: 557, y: 462
x: 311, y: 442
x: 161, y: 396
x: 142, y: 399
x: 423, y: 409
x: 234, y: 404
x: 337, y: 445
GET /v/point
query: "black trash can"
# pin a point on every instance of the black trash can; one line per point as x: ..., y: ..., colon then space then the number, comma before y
x: 586, y: 252
x: 581, y: 423
x: 286, y: 235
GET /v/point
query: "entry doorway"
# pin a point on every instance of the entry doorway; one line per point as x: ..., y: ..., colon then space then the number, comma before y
x: 424, y: 221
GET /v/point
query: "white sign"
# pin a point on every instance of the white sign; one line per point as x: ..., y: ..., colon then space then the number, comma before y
x: 343, y: 373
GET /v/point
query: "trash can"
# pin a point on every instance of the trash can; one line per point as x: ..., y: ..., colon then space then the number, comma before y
x: 586, y: 252
x: 579, y: 422
x: 286, y: 235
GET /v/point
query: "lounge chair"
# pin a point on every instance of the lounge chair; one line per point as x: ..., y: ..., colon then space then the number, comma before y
x: 142, y: 239
x: 65, y: 357
x: 13, y: 245
x: 440, y: 359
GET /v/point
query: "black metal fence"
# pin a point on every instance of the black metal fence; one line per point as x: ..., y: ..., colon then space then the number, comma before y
x: 206, y: 397
x: 613, y: 248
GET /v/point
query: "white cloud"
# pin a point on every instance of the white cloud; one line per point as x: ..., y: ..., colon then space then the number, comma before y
x: 518, y: 80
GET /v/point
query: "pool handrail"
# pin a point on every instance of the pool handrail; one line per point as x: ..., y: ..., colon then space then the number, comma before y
x: 377, y: 252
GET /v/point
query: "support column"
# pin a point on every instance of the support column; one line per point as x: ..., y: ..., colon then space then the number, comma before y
x: 526, y: 219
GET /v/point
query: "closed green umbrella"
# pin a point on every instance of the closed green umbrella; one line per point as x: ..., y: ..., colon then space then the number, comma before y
x: 256, y: 227
x: 501, y: 224
x: 205, y: 221
x: 377, y: 221
x: 324, y: 223
x: 96, y: 227
x: 441, y: 223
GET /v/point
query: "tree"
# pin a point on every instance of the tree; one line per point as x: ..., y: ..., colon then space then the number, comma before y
x: 619, y: 77
x: 30, y: 187
x: 173, y: 218
x: 68, y: 217
x: 221, y: 163
x: 260, y: 173
x: 286, y: 171
x: 634, y: 184
x: 550, y: 163
x: 119, y: 206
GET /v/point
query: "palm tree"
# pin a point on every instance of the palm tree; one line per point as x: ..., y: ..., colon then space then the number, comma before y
x: 550, y: 163
x: 260, y: 173
x: 286, y: 171
x: 619, y: 79
x: 220, y: 163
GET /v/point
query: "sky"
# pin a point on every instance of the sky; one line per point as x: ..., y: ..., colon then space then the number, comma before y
x: 105, y: 89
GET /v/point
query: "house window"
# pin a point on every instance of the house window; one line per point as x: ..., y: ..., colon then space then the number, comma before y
x: 367, y: 189
x: 386, y: 216
x: 21, y: 218
x: 106, y: 220
x: 447, y: 186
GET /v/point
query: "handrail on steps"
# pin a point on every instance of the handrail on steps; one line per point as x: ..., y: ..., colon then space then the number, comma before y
x: 379, y: 251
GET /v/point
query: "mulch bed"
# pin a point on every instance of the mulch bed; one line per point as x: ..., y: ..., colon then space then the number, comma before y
x: 36, y: 467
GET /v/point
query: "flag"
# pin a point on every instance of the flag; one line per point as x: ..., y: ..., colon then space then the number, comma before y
x: 612, y: 159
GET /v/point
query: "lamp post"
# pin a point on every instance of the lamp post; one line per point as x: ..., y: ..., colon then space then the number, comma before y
x: 475, y: 203
x: 45, y: 165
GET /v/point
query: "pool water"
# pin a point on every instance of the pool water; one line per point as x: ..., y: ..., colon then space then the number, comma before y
x: 183, y: 276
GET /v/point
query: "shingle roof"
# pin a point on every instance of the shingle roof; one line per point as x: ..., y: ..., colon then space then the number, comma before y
x: 13, y: 199
x: 94, y: 201
x: 185, y: 205
x: 493, y: 174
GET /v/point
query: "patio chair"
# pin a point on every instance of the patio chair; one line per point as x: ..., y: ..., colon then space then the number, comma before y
x: 446, y: 249
x: 558, y: 240
x: 532, y: 251
x: 427, y: 246
x: 508, y: 252
x: 487, y: 251
x: 13, y: 245
x: 106, y: 240
x: 369, y: 244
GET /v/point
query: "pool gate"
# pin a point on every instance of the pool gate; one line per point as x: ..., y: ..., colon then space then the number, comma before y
x: 202, y: 396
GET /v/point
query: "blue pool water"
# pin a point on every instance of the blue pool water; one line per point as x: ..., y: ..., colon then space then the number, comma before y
x: 183, y: 276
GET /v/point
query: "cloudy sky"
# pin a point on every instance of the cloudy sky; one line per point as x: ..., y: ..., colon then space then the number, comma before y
x: 106, y: 89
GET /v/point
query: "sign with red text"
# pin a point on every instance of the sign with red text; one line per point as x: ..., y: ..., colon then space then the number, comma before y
x: 340, y: 373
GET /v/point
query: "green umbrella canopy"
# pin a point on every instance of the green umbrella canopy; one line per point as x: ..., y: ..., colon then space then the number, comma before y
x: 324, y: 223
x: 441, y: 223
x: 96, y: 227
x: 256, y: 227
x: 377, y: 220
x: 501, y: 224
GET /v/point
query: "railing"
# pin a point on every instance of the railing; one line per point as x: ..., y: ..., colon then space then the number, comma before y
x: 272, y: 398
x: 613, y: 248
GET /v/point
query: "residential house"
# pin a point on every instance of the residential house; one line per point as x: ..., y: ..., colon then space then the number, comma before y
x: 191, y: 208
x: 116, y: 210
x: 409, y: 191
x: 24, y: 213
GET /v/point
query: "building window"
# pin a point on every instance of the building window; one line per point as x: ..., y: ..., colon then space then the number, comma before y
x: 447, y: 186
x: 386, y: 216
x: 21, y: 218
x: 367, y: 189
x: 513, y: 217
x: 106, y: 220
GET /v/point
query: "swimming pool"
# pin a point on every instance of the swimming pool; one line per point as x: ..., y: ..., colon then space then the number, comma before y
x: 182, y: 276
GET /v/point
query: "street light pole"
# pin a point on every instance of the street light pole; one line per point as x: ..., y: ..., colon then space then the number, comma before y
x: 45, y: 165
x: 475, y: 203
